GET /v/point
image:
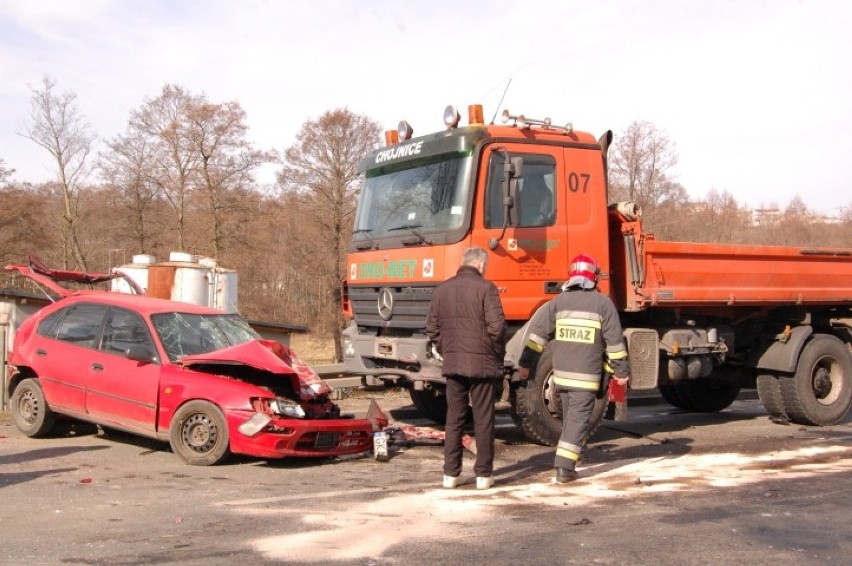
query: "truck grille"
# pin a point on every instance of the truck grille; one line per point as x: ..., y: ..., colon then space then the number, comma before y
x: 410, y: 306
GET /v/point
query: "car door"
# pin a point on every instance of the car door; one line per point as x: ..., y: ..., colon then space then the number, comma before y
x: 122, y: 392
x: 63, y: 354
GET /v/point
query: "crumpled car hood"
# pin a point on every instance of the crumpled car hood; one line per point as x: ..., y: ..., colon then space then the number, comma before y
x: 269, y: 356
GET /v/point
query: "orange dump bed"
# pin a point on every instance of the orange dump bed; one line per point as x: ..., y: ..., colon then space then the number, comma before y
x: 692, y: 274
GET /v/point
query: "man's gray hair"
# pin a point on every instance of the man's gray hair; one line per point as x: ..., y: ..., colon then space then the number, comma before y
x: 474, y: 255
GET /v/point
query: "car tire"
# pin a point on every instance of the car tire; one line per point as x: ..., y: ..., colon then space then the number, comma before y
x: 30, y: 411
x: 199, y: 434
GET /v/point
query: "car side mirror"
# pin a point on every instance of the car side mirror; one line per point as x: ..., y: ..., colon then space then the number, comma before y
x: 140, y: 354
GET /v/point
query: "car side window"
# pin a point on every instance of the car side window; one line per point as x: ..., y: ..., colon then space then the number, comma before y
x: 123, y: 330
x: 50, y: 324
x: 82, y: 325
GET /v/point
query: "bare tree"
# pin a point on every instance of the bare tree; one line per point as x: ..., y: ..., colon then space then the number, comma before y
x: 5, y: 173
x: 175, y: 163
x: 57, y: 126
x: 25, y: 222
x: 126, y: 167
x: 640, y: 166
x: 226, y: 161
x: 321, y: 167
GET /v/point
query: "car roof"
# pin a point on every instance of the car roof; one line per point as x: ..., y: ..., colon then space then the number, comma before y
x: 142, y: 304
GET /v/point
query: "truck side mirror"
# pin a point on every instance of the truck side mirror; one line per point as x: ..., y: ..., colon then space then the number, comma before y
x: 513, y: 168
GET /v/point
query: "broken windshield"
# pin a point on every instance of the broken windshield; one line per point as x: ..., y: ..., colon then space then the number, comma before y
x: 185, y: 334
x: 426, y: 199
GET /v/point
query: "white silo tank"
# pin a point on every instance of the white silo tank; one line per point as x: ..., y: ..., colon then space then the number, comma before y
x: 191, y: 285
x: 224, y: 290
x: 136, y: 271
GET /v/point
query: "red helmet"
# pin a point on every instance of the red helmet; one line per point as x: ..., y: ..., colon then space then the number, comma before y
x: 584, y: 272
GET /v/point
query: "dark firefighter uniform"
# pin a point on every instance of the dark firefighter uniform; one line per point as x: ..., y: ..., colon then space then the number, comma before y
x: 586, y: 333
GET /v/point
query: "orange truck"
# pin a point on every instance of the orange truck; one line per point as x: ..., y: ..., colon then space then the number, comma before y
x: 701, y: 320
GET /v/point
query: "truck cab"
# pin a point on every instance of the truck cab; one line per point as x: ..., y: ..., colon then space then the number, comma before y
x: 531, y: 193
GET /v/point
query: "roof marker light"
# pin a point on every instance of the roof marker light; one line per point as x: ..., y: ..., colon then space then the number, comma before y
x: 405, y: 131
x: 451, y: 117
x: 474, y: 115
x: 391, y: 137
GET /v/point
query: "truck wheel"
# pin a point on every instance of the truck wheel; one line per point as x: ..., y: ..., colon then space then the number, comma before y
x: 431, y: 403
x: 769, y: 391
x: 199, y: 434
x: 673, y: 398
x: 30, y: 412
x: 820, y: 392
x: 708, y: 395
x: 537, y: 408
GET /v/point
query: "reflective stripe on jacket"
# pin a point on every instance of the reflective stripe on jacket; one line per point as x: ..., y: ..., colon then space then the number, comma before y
x: 586, y: 332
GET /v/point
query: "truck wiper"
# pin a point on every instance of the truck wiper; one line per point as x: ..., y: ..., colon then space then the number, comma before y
x: 365, y: 232
x: 413, y: 228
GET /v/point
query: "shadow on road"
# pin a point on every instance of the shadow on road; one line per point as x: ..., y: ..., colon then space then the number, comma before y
x: 45, y: 453
x: 11, y: 479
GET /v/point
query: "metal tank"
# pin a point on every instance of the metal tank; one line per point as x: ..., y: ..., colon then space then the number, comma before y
x: 185, y: 278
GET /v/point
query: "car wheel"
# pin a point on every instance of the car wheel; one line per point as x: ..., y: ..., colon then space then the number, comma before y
x: 199, y: 434
x: 30, y: 411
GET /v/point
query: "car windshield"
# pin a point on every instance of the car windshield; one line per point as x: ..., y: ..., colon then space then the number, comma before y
x: 188, y: 334
x: 425, y: 199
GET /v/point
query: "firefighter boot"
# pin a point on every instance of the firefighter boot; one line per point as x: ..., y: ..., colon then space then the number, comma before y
x: 564, y: 475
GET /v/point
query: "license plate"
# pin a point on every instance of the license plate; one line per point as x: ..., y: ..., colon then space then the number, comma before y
x: 380, y: 446
x: 325, y: 440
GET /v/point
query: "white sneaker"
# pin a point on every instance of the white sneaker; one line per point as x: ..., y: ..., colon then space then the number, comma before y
x: 484, y: 483
x: 451, y: 482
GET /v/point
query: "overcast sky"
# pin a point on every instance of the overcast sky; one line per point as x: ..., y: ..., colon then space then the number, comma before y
x: 755, y: 95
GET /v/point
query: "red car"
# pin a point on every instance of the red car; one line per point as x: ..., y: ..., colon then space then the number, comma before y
x: 195, y: 376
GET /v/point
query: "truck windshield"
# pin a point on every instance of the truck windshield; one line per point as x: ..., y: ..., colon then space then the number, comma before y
x: 419, y: 200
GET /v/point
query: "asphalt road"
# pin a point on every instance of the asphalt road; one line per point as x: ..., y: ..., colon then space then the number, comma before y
x: 663, y: 488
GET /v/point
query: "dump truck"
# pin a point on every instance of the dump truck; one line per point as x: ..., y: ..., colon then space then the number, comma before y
x: 701, y: 320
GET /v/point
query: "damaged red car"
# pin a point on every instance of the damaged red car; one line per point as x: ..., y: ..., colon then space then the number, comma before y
x: 194, y: 376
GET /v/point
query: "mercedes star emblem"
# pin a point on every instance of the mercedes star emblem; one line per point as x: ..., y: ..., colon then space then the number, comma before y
x: 385, y: 303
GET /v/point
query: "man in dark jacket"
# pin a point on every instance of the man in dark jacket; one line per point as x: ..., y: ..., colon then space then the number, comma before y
x: 466, y: 324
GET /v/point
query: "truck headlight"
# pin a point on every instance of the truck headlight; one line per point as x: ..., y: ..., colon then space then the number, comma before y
x: 348, y: 347
x: 437, y: 359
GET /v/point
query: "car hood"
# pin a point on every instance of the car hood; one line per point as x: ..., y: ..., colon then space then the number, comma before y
x: 268, y: 356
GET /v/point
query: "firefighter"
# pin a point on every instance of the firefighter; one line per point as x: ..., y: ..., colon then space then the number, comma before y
x: 586, y: 333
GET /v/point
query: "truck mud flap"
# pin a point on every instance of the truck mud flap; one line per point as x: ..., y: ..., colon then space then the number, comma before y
x: 643, y: 353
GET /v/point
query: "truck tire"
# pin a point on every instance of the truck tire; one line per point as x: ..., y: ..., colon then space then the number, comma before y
x: 430, y: 402
x: 703, y: 395
x: 820, y: 392
x: 537, y: 408
x: 769, y: 391
x: 670, y: 393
